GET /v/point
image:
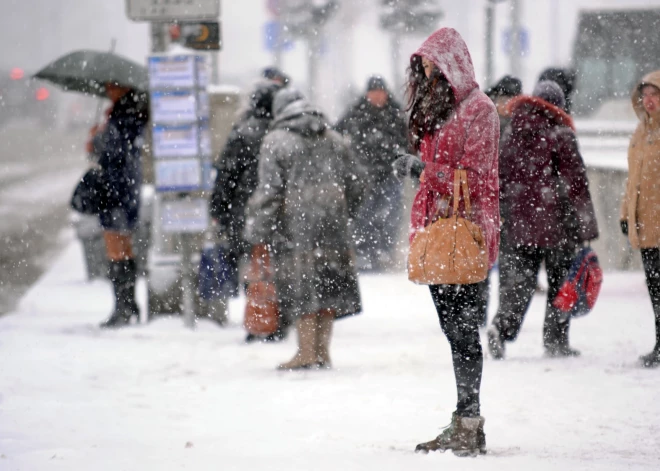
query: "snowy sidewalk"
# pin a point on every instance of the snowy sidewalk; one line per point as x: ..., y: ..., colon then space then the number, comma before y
x: 160, y: 397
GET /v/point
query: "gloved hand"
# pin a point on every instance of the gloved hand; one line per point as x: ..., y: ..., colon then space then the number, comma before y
x: 408, y: 165
x: 624, y: 227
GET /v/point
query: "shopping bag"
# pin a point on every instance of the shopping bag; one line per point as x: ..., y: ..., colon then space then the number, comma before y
x: 218, y: 275
x: 262, y: 308
x: 579, y: 292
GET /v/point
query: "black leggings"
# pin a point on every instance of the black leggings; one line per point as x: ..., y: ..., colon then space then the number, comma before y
x: 651, y: 261
x: 457, y: 307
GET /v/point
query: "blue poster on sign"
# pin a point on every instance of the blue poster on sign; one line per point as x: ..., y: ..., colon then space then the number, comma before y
x: 523, y: 40
x: 272, y: 33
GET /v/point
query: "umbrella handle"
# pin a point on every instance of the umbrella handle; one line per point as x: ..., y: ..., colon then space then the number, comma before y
x: 99, y: 105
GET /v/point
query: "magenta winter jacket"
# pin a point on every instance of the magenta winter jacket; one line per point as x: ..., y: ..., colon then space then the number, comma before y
x: 468, y: 140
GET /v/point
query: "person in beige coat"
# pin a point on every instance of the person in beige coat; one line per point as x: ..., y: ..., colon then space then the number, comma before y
x: 640, y: 210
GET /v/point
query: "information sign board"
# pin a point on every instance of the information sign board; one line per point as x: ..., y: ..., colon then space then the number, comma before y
x: 174, y: 106
x: 178, y: 175
x: 175, y: 141
x: 172, y: 71
x: 189, y: 216
x: 172, y: 10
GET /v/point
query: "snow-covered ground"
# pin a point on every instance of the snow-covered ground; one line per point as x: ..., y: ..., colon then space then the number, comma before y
x: 160, y: 397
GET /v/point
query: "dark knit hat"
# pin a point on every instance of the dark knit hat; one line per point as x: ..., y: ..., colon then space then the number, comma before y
x: 273, y: 73
x: 565, y: 78
x: 507, y: 86
x: 376, y: 82
x: 551, y: 92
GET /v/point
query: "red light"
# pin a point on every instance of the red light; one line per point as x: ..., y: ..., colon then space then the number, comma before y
x: 42, y: 94
x: 16, y: 74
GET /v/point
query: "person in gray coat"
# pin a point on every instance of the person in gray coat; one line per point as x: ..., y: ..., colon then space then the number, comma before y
x: 302, y: 209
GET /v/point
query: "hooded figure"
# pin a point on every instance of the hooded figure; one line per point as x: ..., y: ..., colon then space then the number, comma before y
x: 306, y: 195
x: 640, y: 209
x: 547, y: 213
x: 454, y: 126
x: 376, y: 127
x: 237, y: 169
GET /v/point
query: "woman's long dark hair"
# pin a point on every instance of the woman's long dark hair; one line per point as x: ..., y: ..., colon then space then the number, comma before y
x: 430, y: 101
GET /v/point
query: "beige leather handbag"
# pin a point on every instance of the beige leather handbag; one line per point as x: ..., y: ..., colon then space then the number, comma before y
x: 451, y: 250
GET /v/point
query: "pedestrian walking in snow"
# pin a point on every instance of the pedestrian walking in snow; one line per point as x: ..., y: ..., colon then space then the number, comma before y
x: 454, y: 126
x: 547, y: 213
x: 237, y: 175
x: 501, y: 94
x: 565, y: 78
x: 307, y: 193
x: 376, y: 127
x: 117, y: 147
x: 276, y: 75
x: 640, y: 210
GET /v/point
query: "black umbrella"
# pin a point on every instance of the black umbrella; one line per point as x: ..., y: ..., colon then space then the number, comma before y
x: 88, y: 71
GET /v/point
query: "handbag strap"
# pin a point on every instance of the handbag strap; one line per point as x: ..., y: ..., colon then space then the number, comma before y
x: 460, y: 182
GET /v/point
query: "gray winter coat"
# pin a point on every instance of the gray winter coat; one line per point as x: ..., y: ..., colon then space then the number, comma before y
x: 302, y: 207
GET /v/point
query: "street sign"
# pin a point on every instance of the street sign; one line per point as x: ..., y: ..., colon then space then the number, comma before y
x: 188, y: 216
x: 273, y: 34
x: 201, y: 36
x: 523, y: 41
x: 172, y: 10
x: 178, y: 175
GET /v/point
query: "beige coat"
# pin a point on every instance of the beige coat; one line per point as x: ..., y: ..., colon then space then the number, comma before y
x: 641, y: 202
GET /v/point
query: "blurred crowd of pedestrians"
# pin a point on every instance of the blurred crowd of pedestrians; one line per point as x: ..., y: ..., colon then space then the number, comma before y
x: 325, y: 201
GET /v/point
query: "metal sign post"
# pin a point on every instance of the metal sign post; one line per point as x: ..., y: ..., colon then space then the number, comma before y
x: 182, y: 155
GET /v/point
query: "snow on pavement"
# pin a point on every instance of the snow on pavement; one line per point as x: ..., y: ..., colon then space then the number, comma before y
x: 162, y: 397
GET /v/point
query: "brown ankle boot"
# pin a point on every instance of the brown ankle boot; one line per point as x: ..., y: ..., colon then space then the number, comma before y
x: 464, y: 436
x: 325, y: 320
x: 307, y: 337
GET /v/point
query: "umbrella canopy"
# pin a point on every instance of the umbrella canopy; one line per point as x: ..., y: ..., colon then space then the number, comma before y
x: 88, y: 71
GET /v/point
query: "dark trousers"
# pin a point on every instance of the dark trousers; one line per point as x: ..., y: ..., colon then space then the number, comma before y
x: 379, y: 219
x: 519, y: 269
x: 457, y: 307
x: 651, y: 261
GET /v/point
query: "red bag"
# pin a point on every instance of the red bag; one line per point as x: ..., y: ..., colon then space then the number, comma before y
x: 580, y: 290
x: 262, y: 311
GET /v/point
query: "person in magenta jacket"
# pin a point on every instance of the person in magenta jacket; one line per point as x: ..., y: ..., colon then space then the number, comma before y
x: 454, y: 125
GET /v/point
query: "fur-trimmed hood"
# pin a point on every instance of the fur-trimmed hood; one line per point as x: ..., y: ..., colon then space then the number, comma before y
x: 526, y: 107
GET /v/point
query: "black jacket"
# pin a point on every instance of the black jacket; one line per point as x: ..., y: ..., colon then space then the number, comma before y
x: 238, y: 164
x: 377, y: 135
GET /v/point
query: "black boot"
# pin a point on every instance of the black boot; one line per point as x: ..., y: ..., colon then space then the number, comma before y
x: 651, y: 360
x: 123, y: 275
x: 555, y: 336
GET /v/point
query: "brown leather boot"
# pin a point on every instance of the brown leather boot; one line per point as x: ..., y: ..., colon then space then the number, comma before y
x: 325, y: 320
x: 305, y: 357
x: 464, y: 436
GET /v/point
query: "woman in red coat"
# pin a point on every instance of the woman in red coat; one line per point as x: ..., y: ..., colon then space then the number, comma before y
x: 547, y: 215
x: 453, y: 125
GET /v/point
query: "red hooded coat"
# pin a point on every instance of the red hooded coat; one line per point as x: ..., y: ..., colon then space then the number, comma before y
x: 468, y: 140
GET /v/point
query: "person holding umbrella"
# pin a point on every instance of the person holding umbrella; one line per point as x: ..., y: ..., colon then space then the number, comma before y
x: 116, y: 147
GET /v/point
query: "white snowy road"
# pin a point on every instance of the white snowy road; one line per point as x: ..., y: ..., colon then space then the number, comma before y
x: 159, y: 397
